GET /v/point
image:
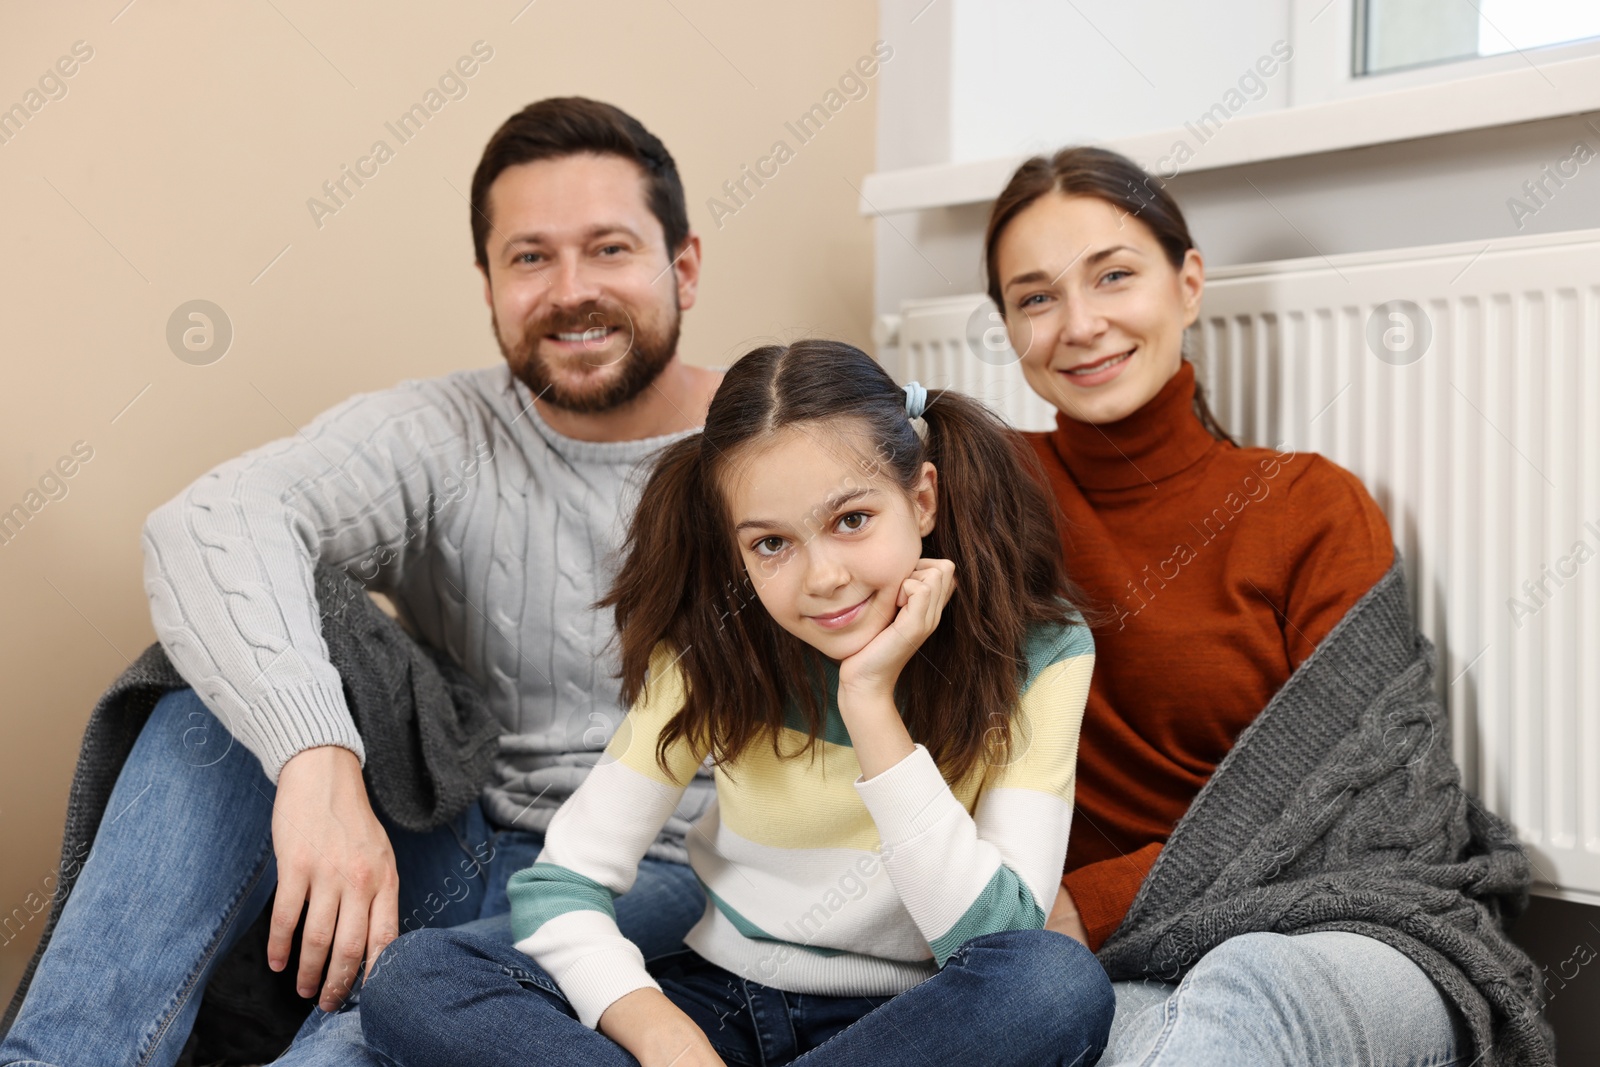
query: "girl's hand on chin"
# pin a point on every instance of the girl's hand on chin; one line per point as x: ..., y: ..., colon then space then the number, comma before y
x: 921, y: 601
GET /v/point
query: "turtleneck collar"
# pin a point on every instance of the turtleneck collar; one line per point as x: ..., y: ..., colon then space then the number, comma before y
x: 1159, y: 440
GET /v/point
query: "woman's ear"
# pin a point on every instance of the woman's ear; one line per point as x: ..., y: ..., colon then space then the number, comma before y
x: 1191, y: 284
x: 926, y: 496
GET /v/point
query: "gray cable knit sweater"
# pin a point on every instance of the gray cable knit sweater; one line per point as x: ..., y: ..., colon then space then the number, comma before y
x: 1341, y: 808
x: 492, y: 534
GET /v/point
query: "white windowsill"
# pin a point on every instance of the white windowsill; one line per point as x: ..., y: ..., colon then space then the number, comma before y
x: 1503, y: 98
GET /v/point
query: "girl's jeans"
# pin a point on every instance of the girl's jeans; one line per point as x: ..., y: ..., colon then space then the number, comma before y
x: 182, y: 865
x: 1023, y: 998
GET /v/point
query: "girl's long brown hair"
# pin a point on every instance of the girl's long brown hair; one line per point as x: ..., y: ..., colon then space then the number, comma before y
x: 1120, y: 182
x: 682, y: 580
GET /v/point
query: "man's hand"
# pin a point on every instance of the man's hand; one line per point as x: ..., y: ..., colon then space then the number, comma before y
x: 657, y: 1032
x: 332, y: 852
x: 1064, y: 918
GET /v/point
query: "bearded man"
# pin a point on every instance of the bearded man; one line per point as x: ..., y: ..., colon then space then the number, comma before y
x: 486, y: 505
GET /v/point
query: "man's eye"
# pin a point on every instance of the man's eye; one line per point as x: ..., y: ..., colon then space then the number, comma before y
x: 528, y: 257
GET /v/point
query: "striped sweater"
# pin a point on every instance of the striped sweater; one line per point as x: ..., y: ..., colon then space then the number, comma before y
x: 817, y: 881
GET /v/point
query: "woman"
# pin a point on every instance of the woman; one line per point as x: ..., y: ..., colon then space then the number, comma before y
x: 1221, y: 569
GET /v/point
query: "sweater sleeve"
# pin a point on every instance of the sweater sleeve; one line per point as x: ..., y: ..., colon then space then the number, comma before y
x: 561, y: 907
x: 1104, y: 891
x: 961, y: 876
x: 228, y: 562
x: 1336, y: 545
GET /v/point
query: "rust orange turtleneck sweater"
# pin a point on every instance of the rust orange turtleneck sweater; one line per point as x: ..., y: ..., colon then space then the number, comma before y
x: 1220, y: 568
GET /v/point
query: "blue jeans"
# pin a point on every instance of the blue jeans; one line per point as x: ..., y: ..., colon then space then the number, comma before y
x: 183, y: 864
x: 1028, y: 998
x: 1264, y: 999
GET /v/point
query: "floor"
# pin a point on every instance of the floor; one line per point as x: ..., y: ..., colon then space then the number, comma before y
x: 1564, y: 939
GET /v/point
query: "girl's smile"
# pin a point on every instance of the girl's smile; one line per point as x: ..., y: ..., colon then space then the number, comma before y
x: 838, y: 620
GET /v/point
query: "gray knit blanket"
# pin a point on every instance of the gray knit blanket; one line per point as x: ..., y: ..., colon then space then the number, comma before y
x: 1341, y: 808
x: 429, y: 733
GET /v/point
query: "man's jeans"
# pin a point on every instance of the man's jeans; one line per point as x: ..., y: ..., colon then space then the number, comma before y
x: 1265, y: 999
x: 183, y: 864
x: 1022, y: 998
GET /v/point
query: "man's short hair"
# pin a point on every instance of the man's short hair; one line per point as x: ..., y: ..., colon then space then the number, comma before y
x: 573, y: 125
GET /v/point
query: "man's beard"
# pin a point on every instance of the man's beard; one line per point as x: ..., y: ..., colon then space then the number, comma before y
x: 652, y: 346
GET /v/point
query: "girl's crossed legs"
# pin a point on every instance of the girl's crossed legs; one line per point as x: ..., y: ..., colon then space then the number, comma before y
x: 1023, y: 997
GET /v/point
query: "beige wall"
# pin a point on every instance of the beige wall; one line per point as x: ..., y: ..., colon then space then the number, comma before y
x: 178, y: 165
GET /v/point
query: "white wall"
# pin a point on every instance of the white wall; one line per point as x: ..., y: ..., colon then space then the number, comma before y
x: 1031, y: 75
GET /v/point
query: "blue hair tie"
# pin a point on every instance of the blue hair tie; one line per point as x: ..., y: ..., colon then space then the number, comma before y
x: 916, y: 400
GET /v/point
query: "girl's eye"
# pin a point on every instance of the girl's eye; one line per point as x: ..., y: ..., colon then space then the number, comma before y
x: 856, y: 520
x: 769, y: 546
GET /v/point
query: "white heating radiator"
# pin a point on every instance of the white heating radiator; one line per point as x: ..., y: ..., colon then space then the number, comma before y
x: 1461, y: 383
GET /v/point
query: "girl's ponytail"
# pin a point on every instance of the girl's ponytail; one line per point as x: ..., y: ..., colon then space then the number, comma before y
x: 660, y: 593
x: 996, y: 522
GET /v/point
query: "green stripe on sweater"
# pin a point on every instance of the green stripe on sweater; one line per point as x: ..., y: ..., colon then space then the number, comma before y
x: 1045, y: 645
x: 1049, y: 645
x: 1005, y: 904
x: 756, y: 933
x: 546, y: 890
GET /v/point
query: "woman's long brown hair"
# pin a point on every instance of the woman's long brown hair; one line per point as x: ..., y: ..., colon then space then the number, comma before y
x: 1120, y: 182
x: 682, y: 581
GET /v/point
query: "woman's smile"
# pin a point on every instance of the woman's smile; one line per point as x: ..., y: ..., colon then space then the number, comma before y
x: 1099, y: 371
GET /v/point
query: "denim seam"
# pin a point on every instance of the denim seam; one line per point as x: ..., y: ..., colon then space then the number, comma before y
x: 757, y: 1004
x: 542, y: 981
x: 187, y: 991
x: 1169, y: 1009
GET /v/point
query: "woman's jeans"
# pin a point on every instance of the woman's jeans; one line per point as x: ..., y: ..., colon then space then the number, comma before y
x: 183, y: 864
x: 1263, y: 999
x: 1028, y: 998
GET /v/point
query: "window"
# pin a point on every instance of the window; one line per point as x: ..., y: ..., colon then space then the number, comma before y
x: 1394, y: 35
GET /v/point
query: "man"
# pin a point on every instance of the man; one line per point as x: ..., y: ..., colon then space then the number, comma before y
x: 486, y: 504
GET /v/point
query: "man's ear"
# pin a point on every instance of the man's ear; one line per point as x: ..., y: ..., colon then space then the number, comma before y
x: 926, y: 495
x: 488, y: 289
x: 686, y: 271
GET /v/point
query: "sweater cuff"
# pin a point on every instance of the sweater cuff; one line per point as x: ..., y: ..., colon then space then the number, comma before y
x: 282, y: 723
x: 908, y: 799
x: 592, y: 964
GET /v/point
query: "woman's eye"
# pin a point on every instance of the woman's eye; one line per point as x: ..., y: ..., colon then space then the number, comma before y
x: 1030, y: 300
x: 1116, y: 275
x: 769, y: 546
x: 853, y: 521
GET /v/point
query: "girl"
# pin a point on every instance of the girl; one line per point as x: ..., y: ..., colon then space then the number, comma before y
x: 849, y: 597
x: 1225, y: 568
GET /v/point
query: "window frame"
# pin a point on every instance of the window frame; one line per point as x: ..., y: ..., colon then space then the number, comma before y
x: 1323, y: 71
